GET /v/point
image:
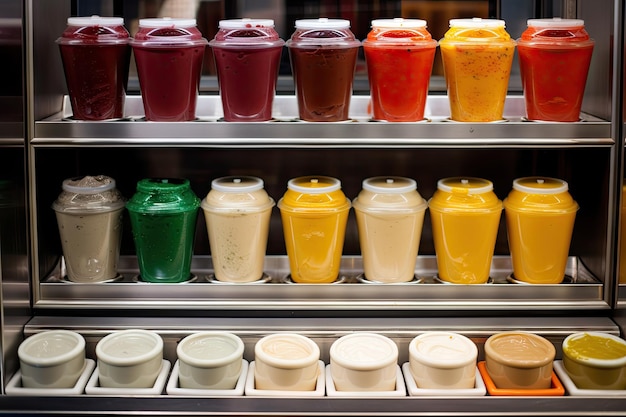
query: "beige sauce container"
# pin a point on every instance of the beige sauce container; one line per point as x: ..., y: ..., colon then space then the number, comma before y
x: 237, y: 211
x: 390, y: 216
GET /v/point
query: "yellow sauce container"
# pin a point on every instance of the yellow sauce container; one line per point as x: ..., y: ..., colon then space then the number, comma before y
x: 540, y: 216
x: 314, y: 213
x: 477, y: 55
x: 465, y: 215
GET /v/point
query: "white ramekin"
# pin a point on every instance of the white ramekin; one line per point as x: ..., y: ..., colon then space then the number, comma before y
x: 443, y: 360
x: 129, y: 359
x: 52, y: 359
x: 364, y: 362
x: 209, y: 360
x: 286, y: 361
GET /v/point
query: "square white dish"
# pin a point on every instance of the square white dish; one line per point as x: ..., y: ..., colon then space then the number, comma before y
x: 414, y: 391
x: 572, y: 389
x: 93, y: 386
x: 173, y: 387
x: 251, y: 391
x: 14, y: 387
x: 331, y: 391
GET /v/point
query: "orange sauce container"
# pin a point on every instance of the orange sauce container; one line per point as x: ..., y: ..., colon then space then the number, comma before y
x: 314, y: 213
x: 540, y: 216
x: 399, y: 54
x: 477, y: 56
x: 465, y: 215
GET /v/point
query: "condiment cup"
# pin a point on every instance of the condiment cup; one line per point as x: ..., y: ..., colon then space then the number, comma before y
x: 519, y: 360
x: 209, y: 360
x: 595, y: 360
x: 52, y: 359
x: 129, y: 359
x: 286, y: 361
x: 364, y: 362
x: 443, y: 360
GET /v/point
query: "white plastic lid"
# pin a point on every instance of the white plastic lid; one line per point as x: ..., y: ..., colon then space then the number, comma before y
x: 477, y: 22
x: 390, y: 185
x: 472, y: 185
x: 322, y: 23
x: 88, y: 185
x: 540, y: 185
x: 555, y: 22
x: 95, y: 20
x: 166, y: 22
x: 245, y: 23
x: 51, y: 347
x: 399, y: 22
x: 237, y: 184
x: 364, y: 351
x: 334, y: 185
x: 129, y: 347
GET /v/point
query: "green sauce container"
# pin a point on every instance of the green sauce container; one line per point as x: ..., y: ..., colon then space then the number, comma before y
x: 163, y: 214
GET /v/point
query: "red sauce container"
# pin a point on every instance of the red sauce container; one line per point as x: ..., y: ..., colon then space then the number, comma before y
x: 96, y: 56
x: 554, y: 56
x: 247, y: 56
x: 399, y: 55
x: 169, y: 54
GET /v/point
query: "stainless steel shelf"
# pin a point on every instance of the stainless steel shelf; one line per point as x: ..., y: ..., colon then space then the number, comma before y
x: 580, y: 291
x: 286, y: 131
x: 324, y: 332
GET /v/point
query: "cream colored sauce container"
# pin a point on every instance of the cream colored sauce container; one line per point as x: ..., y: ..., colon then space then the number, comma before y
x: 237, y: 211
x: 390, y: 215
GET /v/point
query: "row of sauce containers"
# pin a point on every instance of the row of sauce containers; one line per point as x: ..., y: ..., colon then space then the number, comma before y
x: 518, y: 361
x: 477, y: 55
x: 465, y: 215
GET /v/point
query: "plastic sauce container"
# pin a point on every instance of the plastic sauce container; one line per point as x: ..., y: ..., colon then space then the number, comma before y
x: 399, y: 54
x: 163, y: 214
x: 96, y: 57
x: 247, y: 56
x: 169, y: 54
x: 477, y: 56
x: 540, y: 216
x: 237, y: 211
x: 314, y: 214
x: 323, y: 55
x: 89, y: 213
x: 465, y: 215
x: 554, y: 56
x: 390, y: 216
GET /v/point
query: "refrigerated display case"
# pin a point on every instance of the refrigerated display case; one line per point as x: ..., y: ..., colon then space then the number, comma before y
x: 587, y: 154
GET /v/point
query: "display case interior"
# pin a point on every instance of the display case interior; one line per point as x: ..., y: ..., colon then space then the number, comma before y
x: 586, y: 154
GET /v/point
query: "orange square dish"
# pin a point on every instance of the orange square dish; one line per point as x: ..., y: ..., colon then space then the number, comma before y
x: 556, y: 389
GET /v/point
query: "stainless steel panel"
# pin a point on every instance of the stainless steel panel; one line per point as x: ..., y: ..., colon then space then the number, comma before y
x: 580, y: 291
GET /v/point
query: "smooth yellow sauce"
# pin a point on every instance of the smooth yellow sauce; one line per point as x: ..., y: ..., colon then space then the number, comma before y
x: 595, y: 347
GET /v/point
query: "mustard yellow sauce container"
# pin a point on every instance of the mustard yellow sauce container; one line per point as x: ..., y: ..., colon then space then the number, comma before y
x: 540, y: 216
x: 477, y: 55
x: 465, y: 215
x: 314, y: 213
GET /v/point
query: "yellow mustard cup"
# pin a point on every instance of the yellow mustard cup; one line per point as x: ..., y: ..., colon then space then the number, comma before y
x: 465, y: 215
x: 314, y: 213
x: 540, y: 216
